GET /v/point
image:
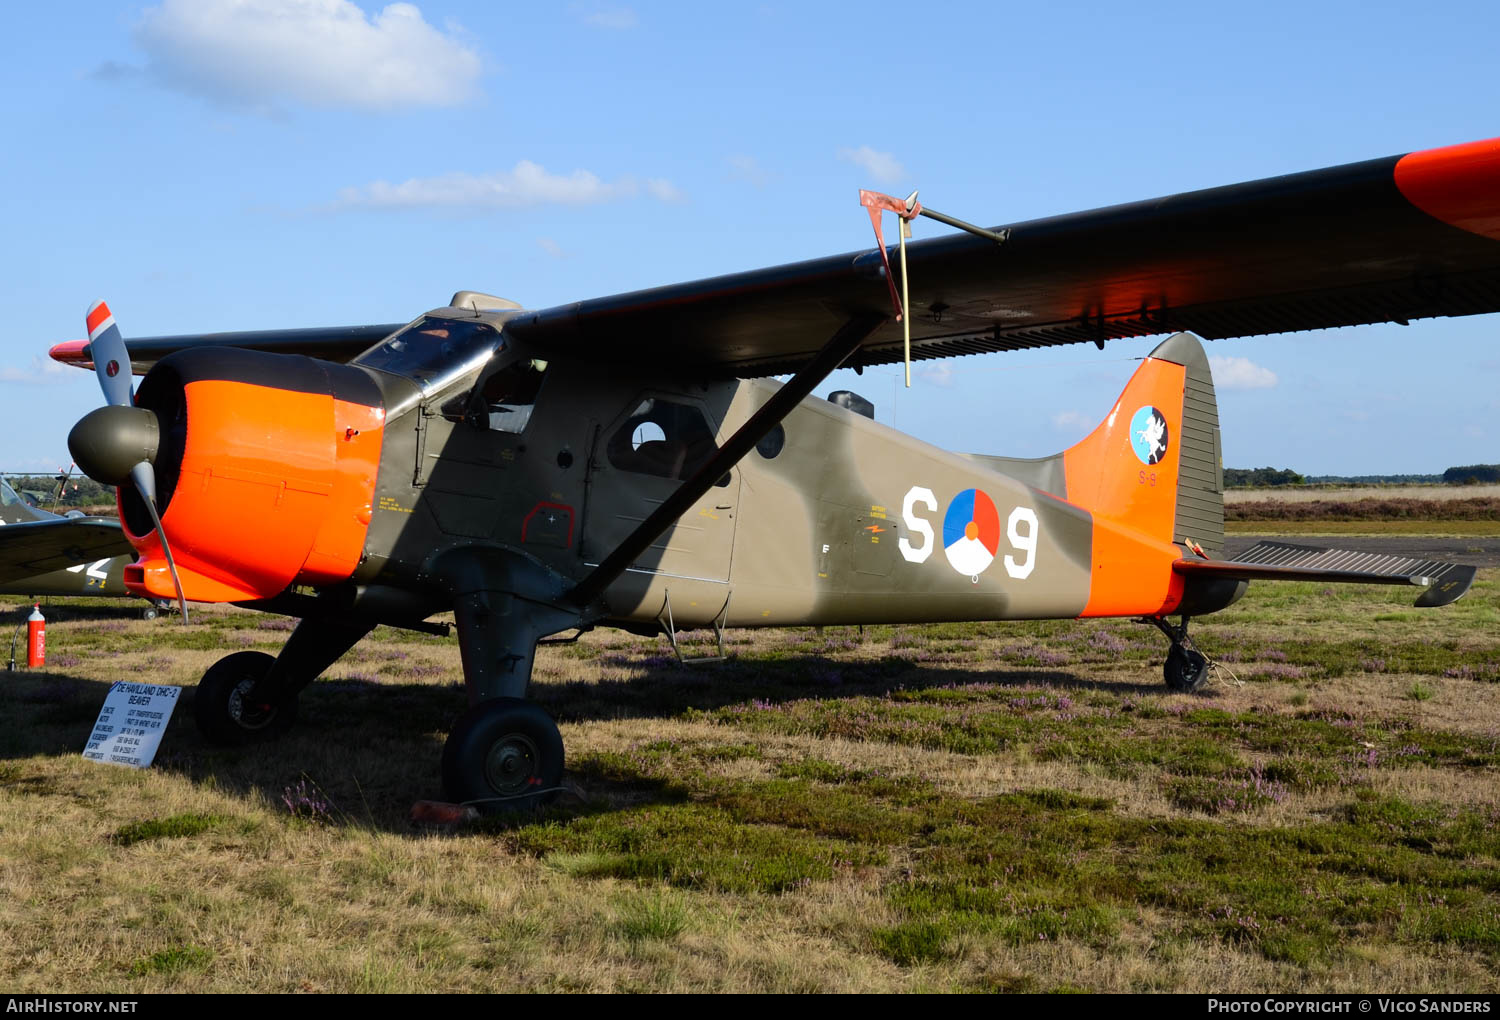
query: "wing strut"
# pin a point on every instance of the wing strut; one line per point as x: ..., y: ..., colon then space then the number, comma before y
x: 843, y: 343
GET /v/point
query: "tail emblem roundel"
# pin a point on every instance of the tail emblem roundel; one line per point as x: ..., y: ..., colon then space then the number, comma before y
x: 1148, y: 435
x: 971, y: 532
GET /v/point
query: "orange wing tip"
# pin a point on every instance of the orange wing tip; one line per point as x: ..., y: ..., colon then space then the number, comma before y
x: 153, y: 579
x: 71, y: 352
x: 1458, y: 184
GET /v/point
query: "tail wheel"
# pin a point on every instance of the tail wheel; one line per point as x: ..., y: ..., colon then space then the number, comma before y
x: 504, y: 754
x: 222, y: 706
x: 1185, y: 670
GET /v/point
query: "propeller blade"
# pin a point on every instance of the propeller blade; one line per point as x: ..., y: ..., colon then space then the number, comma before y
x: 110, y: 439
x: 111, y: 360
x: 145, y: 483
x: 161, y: 533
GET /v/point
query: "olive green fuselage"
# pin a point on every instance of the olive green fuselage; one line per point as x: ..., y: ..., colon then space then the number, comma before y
x: 844, y: 523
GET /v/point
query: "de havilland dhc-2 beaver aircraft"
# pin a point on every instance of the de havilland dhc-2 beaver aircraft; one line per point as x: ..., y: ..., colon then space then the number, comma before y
x: 626, y: 461
x: 43, y: 553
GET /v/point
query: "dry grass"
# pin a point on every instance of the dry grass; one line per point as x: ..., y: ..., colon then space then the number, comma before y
x: 1010, y: 807
x: 1417, y: 528
x: 1299, y: 494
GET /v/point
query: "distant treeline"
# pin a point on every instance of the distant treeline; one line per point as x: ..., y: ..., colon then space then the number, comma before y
x: 1374, y: 479
x: 80, y: 490
x: 1472, y: 474
x: 1238, y: 477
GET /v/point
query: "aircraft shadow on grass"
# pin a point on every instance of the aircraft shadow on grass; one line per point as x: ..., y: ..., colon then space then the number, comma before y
x: 361, y: 745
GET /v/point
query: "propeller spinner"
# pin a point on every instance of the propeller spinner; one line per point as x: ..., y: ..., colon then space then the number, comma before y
x: 116, y: 444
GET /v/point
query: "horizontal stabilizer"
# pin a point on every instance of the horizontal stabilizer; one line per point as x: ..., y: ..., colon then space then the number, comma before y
x: 1282, y: 561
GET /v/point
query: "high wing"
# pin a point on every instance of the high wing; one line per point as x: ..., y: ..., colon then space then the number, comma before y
x: 1399, y: 238
x: 1393, y: 239
x: 331, y: 343
x: 37, y: 547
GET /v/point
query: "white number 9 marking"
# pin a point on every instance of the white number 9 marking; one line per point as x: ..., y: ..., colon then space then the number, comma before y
x: 1025, y: 543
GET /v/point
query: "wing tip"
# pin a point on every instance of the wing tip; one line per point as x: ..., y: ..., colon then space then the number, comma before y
x: 1456, y: 184
x: 71, y: 352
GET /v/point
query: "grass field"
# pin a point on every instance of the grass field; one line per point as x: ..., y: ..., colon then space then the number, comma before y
x: 1362, y: 527
x: 963, y: 807
x: 1300, y: 493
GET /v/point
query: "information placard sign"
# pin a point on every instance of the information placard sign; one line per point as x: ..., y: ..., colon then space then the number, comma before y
x: 131, y: 723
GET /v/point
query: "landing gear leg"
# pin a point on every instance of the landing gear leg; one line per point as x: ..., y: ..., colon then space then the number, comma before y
x: 1186, y: 668
x: 251, y: 696
x: 504, y: 753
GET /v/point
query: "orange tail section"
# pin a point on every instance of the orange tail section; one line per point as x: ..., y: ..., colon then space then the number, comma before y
x: 1150, y: 476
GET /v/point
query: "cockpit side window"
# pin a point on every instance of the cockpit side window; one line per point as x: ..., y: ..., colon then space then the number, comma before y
x: 8, y: 495
x: 430, y: 348
x: 663, y: 438
x: 504, y: 400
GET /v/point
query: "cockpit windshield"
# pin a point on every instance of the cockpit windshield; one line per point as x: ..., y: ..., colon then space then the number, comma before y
x: 8, y: 495
x: 432, y: 348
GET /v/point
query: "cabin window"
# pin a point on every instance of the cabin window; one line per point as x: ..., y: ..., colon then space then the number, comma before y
x: 772, y: 443
x: 510, y: 394
x: 663, y: 438
x: 504, y: 400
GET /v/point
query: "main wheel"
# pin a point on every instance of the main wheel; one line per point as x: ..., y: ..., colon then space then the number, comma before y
x: 503, y: 755
x: 1185, y: 670
x: 149, y: 613
x: 220, y: 707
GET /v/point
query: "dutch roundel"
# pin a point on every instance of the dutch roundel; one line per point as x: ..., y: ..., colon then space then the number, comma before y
x: 971, y: 532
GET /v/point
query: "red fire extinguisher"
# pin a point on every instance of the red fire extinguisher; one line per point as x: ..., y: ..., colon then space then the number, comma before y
x: 36, y: 638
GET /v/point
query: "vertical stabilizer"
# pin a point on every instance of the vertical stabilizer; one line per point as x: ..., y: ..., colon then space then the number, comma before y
x: 1153, y: 465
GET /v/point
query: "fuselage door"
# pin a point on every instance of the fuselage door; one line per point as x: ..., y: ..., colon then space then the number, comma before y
x: 641, y: 459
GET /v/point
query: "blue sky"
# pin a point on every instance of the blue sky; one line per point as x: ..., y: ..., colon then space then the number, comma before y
x: 212, y: 165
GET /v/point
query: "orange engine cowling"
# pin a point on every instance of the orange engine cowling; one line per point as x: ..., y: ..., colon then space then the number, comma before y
x: 265, y: 474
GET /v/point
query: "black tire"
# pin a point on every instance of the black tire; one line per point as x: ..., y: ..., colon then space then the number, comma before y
x: 149, y: 613
x: 219, y: 708
x: 1185, y: 670
x: 498, y: 751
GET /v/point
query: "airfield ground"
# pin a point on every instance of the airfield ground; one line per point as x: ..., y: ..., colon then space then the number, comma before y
x: 976, y: 807
x: 1354, y: 493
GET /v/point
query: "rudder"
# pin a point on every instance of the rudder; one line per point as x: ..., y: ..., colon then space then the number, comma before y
x: 1154, y: 464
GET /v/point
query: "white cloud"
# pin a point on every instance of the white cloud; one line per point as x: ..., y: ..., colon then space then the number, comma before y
x: 41, y: 370
x: 528, y: 184
x: 323, y: 53
x: 618, y: 19
x: 1231, y: 373
x: 551, y: 247
x: 939, y: 374
x: 745, y: 168
x: 663, y: 190
x: 884, y: 167
x: 1071, y: 420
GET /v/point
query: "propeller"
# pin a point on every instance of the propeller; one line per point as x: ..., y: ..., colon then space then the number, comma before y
x: 117, y: 443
